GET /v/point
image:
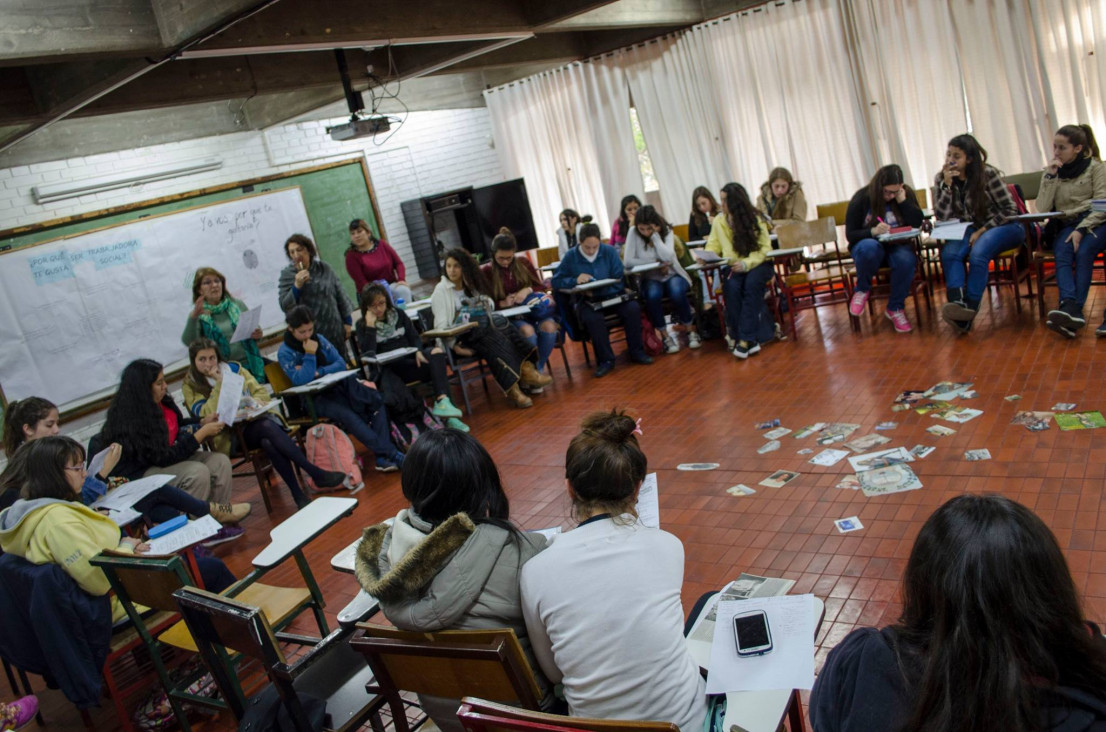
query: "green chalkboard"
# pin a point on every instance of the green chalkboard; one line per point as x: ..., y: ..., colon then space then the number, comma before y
x: 334, y: 194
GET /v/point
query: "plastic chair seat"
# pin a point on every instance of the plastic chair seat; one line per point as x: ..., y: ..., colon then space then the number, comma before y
x: 278, y: 604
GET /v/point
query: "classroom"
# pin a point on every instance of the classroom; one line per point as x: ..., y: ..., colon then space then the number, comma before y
x: 587, y: 364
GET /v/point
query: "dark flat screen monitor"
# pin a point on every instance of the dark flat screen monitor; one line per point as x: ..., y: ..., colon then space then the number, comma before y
x: 505, y: 204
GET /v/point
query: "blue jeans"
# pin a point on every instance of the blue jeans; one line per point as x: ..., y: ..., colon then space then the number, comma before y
x: 747, y: 317
x: 676, y: 287
x: 358, y: 410
x: 979, y: 256
x: 870, y: 254
x: 1074, y: 268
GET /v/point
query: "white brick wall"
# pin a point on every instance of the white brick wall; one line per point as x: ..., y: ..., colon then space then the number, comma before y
x: 432, y: 152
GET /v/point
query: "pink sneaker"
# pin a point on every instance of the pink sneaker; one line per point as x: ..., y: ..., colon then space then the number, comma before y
x: 898, y: 319
x: 856, y: 305
x: 19, y: 713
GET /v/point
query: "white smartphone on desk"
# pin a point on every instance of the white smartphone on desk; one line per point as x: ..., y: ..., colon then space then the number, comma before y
x: 751, y: 633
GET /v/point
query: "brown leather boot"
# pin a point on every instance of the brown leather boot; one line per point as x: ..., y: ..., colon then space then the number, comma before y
x: 532, y: 377
x: 517, y: 398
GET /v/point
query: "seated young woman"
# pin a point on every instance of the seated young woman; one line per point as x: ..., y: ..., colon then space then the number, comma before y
x: 781, y: 198
x: 968, y: 189
x: 568, y: 235
x: 215, y: 315
x: 1074, y: 177
x: 382, y: 328
x: 460, y: 297
x: 513, y: 281
x: 991, y: 636
x: 33, y: 418
x: 359, y: 410
x: 627, y: 209
x: 885, y: 203
x: 370, y: 259
x: 450, y: 561
x: 157, y: 438
x: 742, y: 236
x: 49, y: 524
x: 703, y: 210
x: 591, y: 261
x: 602, y: 603
x: 651, y: 241
x: 267, y: 432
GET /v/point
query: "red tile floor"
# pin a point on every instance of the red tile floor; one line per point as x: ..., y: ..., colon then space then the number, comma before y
x: 702, y: 406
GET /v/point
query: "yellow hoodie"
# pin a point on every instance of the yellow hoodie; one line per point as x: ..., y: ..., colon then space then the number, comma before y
x: 64, y: 533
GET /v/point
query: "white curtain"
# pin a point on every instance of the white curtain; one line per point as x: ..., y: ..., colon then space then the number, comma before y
x: 788, y: 96
x: 675, y: 103
x: 1071, y: 42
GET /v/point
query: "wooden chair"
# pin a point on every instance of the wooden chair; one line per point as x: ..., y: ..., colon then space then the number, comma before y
x: 823, y: 281
x: 478, y: 715
x: 151, y: 582
x: 450, y: 664
x: 681, y: 231
x: 330, y: 670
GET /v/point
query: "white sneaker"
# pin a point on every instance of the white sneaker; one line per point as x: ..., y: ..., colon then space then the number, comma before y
x: 670, y: 344
x: 694, y: 341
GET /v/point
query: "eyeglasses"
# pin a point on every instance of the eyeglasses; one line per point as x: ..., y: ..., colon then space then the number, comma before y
x: 77, y: 468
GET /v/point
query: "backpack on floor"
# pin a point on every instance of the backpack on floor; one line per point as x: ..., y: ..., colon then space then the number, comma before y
x: 331, y: 449
x: 404, y: 434
x: 654, y: 346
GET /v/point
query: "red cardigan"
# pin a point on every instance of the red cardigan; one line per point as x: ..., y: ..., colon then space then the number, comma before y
x: 382, y: 263
x: 509, y: 283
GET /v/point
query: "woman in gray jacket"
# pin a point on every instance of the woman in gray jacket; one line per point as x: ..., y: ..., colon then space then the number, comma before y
x: 452, y: 560
x: 308, y: 280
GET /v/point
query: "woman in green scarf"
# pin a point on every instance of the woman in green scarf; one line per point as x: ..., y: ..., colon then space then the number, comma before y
x: 215, y: 316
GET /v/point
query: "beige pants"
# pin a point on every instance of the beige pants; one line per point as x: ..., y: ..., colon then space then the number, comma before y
x: 205, y: 475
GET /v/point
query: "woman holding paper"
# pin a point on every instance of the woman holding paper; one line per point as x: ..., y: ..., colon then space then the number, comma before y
x: 651, y: 241
x: 33, y: 418
x: 215, y: 315
x: 969, y: 189
x: 309, y: 281
x: 202, y: 387
x: 886, y: 203
x: 1074, y: 177
x: 602, y: 603
x: 991, y: 636
x: 382, y: 328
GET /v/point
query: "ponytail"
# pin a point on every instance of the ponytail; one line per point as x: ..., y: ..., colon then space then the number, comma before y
x: 23, y: 413
x: 1082, y: 135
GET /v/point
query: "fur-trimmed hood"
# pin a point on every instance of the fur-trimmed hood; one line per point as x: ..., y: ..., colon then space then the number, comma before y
x: 457, y: 575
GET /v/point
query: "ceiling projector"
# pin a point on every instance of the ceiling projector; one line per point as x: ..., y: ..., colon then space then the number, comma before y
x: 356, y: 129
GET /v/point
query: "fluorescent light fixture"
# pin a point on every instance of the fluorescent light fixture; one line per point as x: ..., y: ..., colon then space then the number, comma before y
x: 123, y: 179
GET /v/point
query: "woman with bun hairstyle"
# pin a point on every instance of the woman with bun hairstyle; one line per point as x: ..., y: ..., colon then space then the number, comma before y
x: 885, y: 203
x: 215, y: 315
x: 1074, y: 177
x: 627, y: 210
x: 781, y: 198
x: 451, y: 559
x: 968, y: 189
x: 703, y: 210
x: 513, y: 281
x: 991, y: 637
x: 602, y: 603
x: 370, y: 259
x: 309, y: 281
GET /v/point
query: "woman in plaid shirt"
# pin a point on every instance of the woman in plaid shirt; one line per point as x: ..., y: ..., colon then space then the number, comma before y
x: 971, y: 190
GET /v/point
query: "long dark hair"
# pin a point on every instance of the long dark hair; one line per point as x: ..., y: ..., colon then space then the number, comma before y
x: 195, y: 379
x: 25, y: 412
x: 650, y: 215
x: 626, y: 201
x: 604, y: 464
x: 134, y: 420
x: 505, y: 241
x: 43, y: 463
x: 975, y: 177
x: 472, y: 279
x: 698, y: 216
x: 888, y: 175
x: 1081, y: 135
x: 447, y: 472
x: 990, y: 619
x: 743, y: 219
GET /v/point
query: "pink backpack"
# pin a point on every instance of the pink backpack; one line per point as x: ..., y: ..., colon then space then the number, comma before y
x: 331, y: 449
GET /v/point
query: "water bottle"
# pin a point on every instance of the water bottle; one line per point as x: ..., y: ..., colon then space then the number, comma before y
x: 401, y: 303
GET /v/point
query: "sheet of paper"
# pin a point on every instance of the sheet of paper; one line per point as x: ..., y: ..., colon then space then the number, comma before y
x: 867, y: 442
x: 706, y: 256
x: 790, y: 663
x: 248, y: 322
x: 393, y: 355
x: 648, y: 502
x: 950, y: 230
x: 191, y: 533
x: 245, y: 415
x: 131, y: 493
x: 828, y: 457
x: 124, y: 516
x: 880, y: 459
x: 322, y: 382
x: 230, y: 394
x: 891, y: 479
x: 648, y: 267
x: 547, y: 533
x: 96, y: 464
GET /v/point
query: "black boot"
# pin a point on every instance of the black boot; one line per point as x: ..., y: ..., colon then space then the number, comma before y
x: 958, y: 312
x: 1068, y: 316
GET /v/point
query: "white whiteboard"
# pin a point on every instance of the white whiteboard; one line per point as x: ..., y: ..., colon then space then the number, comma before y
x: 75, y: 311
